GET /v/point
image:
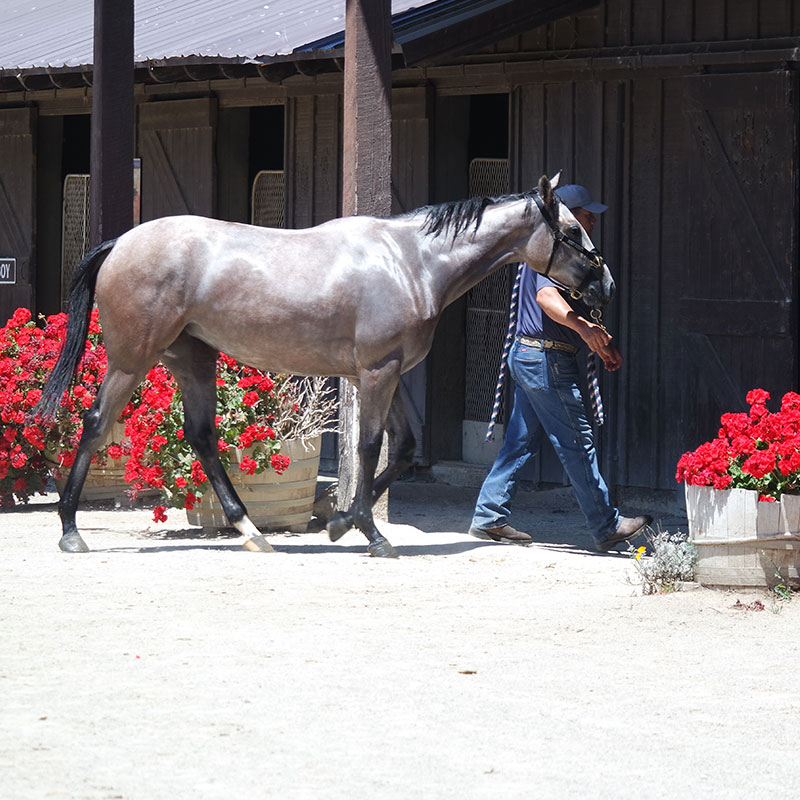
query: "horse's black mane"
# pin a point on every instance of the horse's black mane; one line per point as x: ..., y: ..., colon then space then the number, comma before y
x: 458, y: 215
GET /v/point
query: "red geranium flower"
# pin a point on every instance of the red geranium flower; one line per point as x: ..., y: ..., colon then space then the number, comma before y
x: 757, y: 397
x: 248, y: 465
x: 280, y: 463
x: 761, y: 463
x: 250, y: 398
x: 198, y: 476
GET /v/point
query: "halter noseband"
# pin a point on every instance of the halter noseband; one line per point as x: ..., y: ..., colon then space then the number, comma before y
x: 595, y: 272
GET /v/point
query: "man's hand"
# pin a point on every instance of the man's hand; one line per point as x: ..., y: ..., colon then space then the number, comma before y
x: 595, y: 336
x: 557, y: 308
x: 612, y: 358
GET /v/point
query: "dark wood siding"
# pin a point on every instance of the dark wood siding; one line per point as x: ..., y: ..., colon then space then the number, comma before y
x: 411, y: 160
x: 708, y: 259
x: 176, y: 143
x: 17, y: 206
x: 313, y: 159
x: 738, y: 313
x: 622, y: 23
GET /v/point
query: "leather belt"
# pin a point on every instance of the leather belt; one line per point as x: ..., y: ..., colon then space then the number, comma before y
x: 547, y: 344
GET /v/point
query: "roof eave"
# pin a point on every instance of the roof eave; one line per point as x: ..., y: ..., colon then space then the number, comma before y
x: 453, y: 29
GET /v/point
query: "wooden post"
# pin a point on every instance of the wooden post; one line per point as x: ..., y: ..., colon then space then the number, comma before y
x: 111, y: 189
x: 367, y: 168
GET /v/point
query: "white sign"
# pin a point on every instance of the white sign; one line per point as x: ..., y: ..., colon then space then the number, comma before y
x: 8, y: 270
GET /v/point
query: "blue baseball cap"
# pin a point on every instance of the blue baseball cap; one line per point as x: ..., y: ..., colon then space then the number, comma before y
x: 574, y: 196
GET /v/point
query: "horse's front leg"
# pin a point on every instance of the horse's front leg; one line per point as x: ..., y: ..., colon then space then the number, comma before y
x: 376, y: 390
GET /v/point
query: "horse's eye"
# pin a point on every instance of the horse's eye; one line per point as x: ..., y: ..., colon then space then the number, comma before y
x: 575, y: 232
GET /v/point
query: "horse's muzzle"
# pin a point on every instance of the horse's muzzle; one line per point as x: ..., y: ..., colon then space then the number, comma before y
x: 599, y: 292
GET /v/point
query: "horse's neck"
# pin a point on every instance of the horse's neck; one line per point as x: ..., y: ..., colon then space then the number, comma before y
x: 469, y: 257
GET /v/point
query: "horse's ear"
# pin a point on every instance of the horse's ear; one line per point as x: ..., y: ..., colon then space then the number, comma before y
x: 555, y: 179
x: 546, y: 190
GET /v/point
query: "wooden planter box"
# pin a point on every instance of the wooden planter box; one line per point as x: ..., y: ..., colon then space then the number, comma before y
x: 741, y: 542
x: 274, y: 502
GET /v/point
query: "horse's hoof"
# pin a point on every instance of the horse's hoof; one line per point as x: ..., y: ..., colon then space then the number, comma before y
x: 325, y: 504
x: 338, y: 526
x: 258, y: 544
x: 382, y: 549
x: 72, y: 543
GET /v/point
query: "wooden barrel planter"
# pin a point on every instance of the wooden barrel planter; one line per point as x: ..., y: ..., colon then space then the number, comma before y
x: 274, y: 502
x: 102, y: 482
x: 741, y: 542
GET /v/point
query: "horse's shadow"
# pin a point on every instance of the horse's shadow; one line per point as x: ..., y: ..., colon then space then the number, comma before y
x: 216, y: 540
x: 312, y: 549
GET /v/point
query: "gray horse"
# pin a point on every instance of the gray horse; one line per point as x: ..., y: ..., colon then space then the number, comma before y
x: 356, y: 297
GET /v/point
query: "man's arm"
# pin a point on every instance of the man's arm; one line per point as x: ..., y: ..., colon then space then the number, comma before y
x: 597, y: 339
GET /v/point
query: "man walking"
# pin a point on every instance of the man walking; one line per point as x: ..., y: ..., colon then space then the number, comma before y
x: 551, y: 329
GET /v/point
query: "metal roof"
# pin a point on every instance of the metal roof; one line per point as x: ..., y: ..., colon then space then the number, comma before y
x: 57, y: 34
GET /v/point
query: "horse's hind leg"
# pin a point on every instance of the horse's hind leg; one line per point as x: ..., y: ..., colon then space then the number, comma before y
x: 402, y: 445
x: 193, y: 363
x: 401, y: 451
x: 115, y: 392
x: 376, y: 391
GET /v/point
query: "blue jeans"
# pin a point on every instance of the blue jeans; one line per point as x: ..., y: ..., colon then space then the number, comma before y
x: 547, y: 399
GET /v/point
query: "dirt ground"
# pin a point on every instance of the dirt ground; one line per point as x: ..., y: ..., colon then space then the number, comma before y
x: 165, y: 664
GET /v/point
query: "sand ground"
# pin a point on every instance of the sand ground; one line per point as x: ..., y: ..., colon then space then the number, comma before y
x: 166, y: 664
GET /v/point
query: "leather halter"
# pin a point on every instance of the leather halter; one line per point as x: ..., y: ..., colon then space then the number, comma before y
x: 595, y: 272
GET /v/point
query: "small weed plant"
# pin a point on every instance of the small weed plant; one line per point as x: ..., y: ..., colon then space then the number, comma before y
x: 781, y: 587
x: 665, y: 563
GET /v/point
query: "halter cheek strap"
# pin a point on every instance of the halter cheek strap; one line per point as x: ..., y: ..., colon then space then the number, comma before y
x: 595, y: 272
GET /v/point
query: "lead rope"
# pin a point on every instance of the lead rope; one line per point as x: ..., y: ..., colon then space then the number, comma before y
x: 594, y: 388
x: 512, y: 327
x: 591, y: 375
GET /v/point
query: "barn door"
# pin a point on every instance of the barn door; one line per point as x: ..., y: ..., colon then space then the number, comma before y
x: 737, y: 311
x: 17, y: 199
x: 176, y: 142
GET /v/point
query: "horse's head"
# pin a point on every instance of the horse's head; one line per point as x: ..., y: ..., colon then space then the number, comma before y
x: 561, y: 249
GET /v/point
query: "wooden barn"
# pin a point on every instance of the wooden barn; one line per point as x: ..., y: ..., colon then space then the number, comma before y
x: 681, y: 116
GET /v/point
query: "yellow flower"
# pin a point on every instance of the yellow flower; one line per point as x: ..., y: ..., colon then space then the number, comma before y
x: 640, y: 552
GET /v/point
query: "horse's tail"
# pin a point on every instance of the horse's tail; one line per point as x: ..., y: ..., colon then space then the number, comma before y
x: 81, y: 299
